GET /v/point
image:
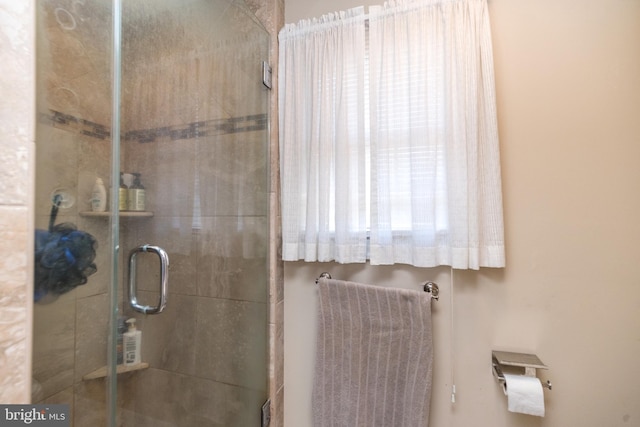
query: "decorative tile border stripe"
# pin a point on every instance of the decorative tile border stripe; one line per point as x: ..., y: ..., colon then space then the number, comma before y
x: 200, y: 129
x: 255, y: 122
x: 75, y: 124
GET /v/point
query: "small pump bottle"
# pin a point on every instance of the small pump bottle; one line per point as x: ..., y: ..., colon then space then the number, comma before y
x: 99, y: 196
x: 131, y: 342
x: 122, y: 194
x: 136, y: 199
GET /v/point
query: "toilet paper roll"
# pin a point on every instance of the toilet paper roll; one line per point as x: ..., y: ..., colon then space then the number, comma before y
x: 524, y: 395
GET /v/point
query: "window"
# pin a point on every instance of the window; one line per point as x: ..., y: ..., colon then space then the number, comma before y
x: 388, y: 130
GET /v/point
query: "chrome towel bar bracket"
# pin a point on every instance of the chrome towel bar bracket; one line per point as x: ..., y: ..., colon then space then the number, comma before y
x: 323, y: 275
x: 433, y: 289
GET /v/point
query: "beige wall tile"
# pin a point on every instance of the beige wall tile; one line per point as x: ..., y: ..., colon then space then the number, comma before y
x: 232, y: 258
x: 92, y: 326
x: 168, y: 341
x: 178, y: 238
x: 54, y: 346
x: 231, y: 339
x: 16, y: 146
x: 89, y: 403
x: 15, y: 298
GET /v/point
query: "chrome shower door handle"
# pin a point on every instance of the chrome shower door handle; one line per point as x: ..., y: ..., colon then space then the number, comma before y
x: 164, y: 280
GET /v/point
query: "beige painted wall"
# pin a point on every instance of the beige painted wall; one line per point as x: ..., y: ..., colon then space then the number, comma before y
x: 568, y: 85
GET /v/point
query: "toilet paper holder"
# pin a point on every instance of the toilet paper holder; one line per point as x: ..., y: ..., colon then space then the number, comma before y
x: 530, y: 362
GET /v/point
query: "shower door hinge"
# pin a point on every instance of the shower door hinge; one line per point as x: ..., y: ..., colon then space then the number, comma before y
x: 266, y: 413
x: 266, y: 74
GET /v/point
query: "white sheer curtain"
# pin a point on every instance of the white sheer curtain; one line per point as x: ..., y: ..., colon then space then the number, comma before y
x: 423, y: 118
x: 322, y: 141
x: 434, y: 143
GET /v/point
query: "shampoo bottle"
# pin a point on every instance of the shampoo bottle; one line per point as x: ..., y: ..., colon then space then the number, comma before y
x: 131, y: 341
x: 136, y: 199
x: 99, y: 196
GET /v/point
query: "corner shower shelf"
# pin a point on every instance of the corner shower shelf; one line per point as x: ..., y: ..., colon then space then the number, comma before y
x: 120, y: 369
x: 123, y: 214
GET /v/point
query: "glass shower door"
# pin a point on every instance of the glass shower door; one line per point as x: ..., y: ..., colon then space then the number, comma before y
x: 74, y: 244
x: 195, y: 136
x: 192, y: 154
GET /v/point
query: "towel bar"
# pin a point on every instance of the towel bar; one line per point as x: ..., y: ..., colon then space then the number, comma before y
x: 430, y: 287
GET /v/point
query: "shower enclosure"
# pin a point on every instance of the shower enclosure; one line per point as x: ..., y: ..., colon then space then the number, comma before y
x: 170, y: 92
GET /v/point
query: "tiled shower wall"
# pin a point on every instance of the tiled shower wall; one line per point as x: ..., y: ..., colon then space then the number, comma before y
x: 61, y: 371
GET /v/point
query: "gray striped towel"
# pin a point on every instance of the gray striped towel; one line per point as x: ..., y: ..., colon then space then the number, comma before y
x: 374, y: 356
